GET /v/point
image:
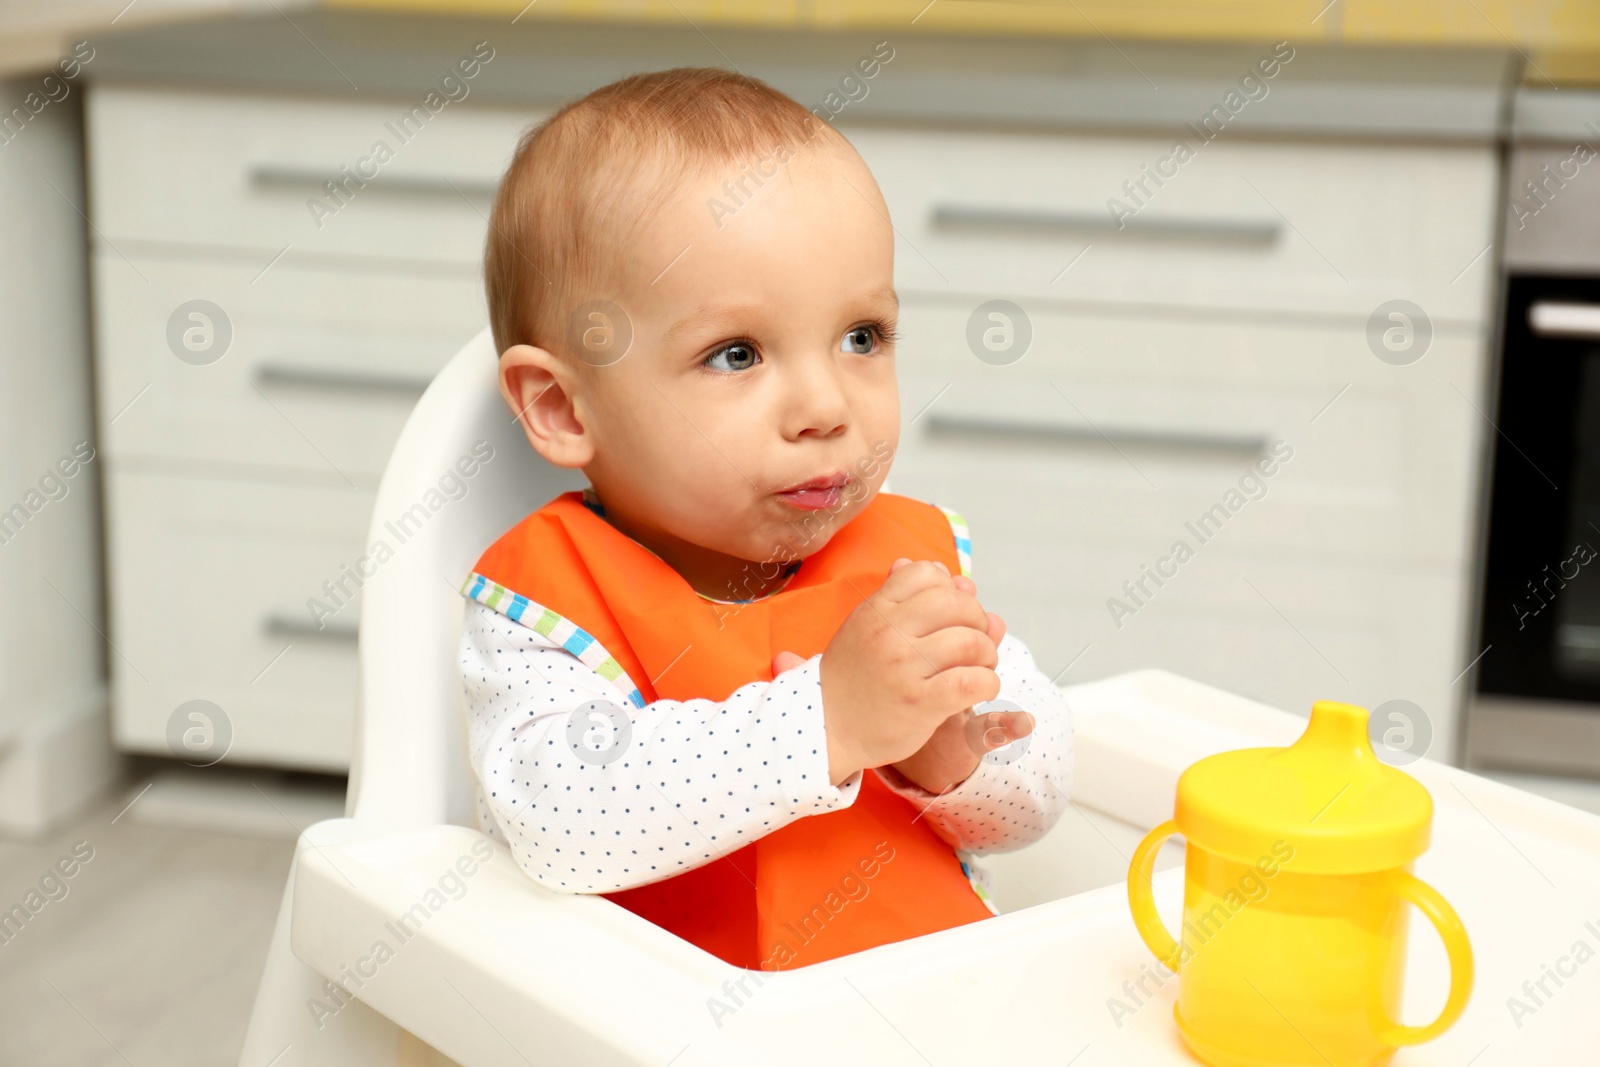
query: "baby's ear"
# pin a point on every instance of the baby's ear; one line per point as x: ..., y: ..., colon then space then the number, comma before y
x: 538, y: 387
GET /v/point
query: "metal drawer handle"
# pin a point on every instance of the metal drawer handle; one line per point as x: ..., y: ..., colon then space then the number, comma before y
x: 1037, y: 221
x: 1172, y: 440
x: 1552, y: 318
x: 294, y: 626
x: 282, y: 374
x: 298, y: 180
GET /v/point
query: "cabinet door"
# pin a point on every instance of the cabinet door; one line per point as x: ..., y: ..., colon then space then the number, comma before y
x: 244, y: 171
x: 1120, y: 519
x: 1284, y: 629
x: 1116, y: 429
x: 1274, y: 226
x: 307, y: 369
x: 210, y: 584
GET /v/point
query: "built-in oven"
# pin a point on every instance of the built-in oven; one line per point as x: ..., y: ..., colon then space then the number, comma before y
x: 1537, y: 701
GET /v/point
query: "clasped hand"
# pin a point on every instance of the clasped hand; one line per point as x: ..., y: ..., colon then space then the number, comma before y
x: 902, y: 673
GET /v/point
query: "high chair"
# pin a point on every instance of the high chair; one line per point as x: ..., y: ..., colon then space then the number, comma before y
x: 406, y: 937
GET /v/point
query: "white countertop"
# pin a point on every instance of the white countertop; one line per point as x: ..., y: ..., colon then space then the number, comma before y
x: 35, y: 33
x: 1410, y: 93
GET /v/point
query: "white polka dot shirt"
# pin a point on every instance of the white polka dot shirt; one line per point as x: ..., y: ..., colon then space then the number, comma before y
x: 689, y: 781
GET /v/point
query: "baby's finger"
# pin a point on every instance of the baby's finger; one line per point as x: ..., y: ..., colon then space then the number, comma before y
x: 997, y: 729
x: 997, y: 627
x: 956, y: 646
x: 785, y: 661
x: 934, y: 609
x: 965, y: 584
x: 967, y: 686
x: 906, y: 581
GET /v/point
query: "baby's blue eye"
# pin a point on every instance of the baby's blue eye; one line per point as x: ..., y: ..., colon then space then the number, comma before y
x: 859, y: 340
x: 734, y: 357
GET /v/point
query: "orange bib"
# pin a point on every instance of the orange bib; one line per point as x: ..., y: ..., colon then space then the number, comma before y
x: 824, y: 885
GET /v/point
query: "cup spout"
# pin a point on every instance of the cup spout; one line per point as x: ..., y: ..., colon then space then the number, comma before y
x: 1340, y: 731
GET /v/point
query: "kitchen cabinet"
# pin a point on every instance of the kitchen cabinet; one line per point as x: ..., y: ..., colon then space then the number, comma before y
x: 1094, y: 468
x: 1243, y: 315
x: 257, y: 362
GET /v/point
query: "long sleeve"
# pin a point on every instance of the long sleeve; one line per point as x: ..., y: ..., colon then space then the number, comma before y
x: 690, y: 782
x: 1013, y: 798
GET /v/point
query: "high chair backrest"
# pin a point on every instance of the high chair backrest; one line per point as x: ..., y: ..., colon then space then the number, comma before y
x: 461, y: 474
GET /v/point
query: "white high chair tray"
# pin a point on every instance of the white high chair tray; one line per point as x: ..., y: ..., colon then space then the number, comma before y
x: 509, y: 973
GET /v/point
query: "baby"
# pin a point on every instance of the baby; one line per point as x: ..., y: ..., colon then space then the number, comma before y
x: 731, y: 685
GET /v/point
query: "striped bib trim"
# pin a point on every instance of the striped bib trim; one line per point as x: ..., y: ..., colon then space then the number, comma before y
x: 563, y: 631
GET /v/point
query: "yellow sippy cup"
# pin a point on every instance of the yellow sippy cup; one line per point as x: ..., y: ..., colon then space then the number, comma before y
x: 1297, y: 877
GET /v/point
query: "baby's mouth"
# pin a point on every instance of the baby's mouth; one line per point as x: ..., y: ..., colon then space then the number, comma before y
x: 817, y: 493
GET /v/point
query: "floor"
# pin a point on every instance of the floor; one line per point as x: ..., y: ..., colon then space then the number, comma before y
x: 150, y: 952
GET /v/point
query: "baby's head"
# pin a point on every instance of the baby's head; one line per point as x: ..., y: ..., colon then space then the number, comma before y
x: 691, y: 282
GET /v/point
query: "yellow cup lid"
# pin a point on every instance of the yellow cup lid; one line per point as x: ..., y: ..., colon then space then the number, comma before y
x: 1340, y: 808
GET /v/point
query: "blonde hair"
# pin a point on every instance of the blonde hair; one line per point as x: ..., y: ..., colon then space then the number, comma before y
x: 562, y: 211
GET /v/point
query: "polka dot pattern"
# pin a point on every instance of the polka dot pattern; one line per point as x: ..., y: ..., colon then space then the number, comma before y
x: 1003, y: 806
x: 700, y: 778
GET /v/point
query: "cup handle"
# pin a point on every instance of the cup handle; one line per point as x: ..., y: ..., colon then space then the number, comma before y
x: 1141, y: 897
x: 1457, y: 947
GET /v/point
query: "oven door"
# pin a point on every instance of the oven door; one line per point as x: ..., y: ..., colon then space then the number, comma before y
x: 1538, y: 700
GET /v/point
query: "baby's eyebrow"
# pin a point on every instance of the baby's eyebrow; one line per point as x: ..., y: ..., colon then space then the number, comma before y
x: 712, y: 313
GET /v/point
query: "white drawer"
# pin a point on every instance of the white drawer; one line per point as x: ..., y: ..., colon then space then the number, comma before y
x: 323, y: 366
x: 1116, y: 429
x: 209, y: 582
x: 237, y: 170
x: 1286, y: 631
x: 1257, y: 224
x: 1347, y: 226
